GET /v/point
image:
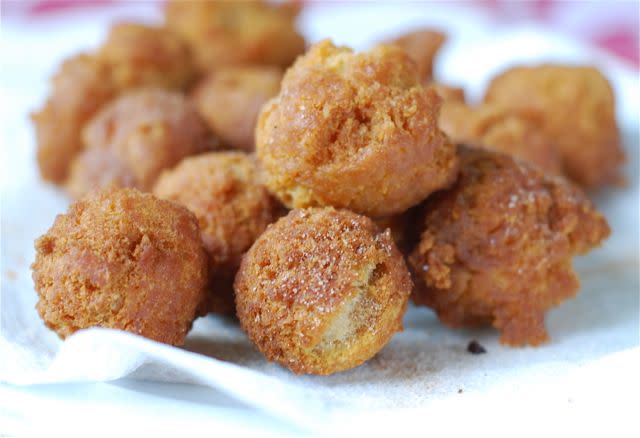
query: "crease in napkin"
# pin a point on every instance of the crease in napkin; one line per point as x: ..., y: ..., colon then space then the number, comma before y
x: 424, y: 365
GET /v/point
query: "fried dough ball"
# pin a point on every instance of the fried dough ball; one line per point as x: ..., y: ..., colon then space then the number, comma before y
x: 134, y: 138
x: 496, y: 248
x: 149, y: 56
x: 132, y: 56
x: 354, y: 130
x: 422, y: 46
x: 121, y: 259
x: 498, y: 128
x: 79, y: 88
x: 222, y: 33
x: 578, y: 108
x: 230, y: 99
x: 222, y: 189
x: 322, y: 290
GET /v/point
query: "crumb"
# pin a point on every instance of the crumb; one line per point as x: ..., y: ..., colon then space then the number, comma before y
x: 11, y: 275
x: 475, y: 347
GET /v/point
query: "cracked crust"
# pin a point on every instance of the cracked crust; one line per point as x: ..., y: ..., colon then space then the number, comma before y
x: 578, y: 113
x: 496, y: 248
x: 322, y: 290
x: 354, y: 131
x: 222, y: 189
x: 121, y: 259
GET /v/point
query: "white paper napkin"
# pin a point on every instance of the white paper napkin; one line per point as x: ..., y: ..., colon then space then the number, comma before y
x: 593, y: 336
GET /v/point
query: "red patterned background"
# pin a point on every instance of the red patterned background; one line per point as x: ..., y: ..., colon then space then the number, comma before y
x: 610, y: 25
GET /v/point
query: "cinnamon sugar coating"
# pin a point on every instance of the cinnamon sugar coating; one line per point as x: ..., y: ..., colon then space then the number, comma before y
x: 498, y: 128
x: 354, y: 130
x: 224, y: 192
x: 230, y: 99
x: 134, y: 138
x: 496, y: 248
x: 223, y: 33
x: 578, y: 112
x: 322, y: 290
x: 121, y: 259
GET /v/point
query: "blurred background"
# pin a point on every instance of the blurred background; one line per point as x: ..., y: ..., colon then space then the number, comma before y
x: 610, y: 25
x: 484, y: 38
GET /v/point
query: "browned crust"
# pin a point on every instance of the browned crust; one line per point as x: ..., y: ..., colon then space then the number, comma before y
x: 402, y: 228
x: 578, y: 109
x: 354, y: 130
x: 140, y: 55
x: 236, y: 33
x: 121, y: 259
x: 499, y: 128
x: 304, y: 273
x: 422, y: 46
x: 230, y: 99
x: 496, y: 248
x: 233, y: 209
x: 134, y: 138
x: 132, y: 56
x: 79, y: 88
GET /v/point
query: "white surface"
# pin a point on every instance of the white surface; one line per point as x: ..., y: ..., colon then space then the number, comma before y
x: 586, y: 376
